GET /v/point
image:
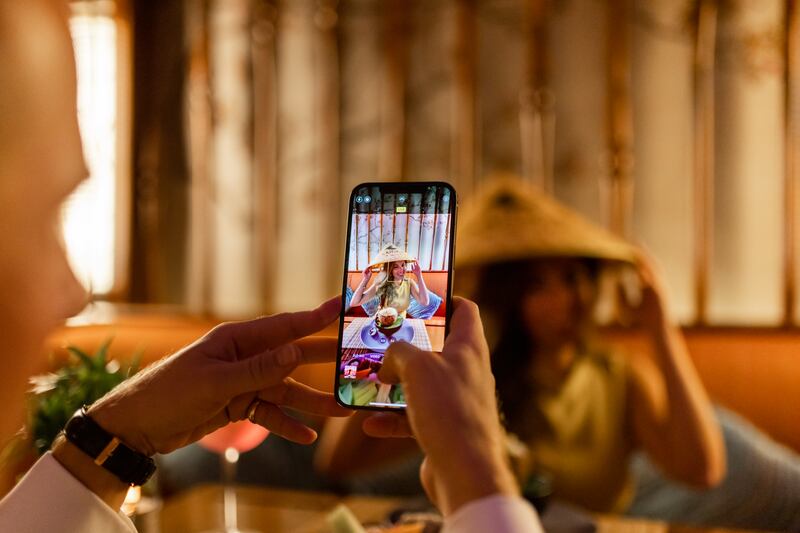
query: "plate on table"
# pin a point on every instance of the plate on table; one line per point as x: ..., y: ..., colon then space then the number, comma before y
x: 375, y: 339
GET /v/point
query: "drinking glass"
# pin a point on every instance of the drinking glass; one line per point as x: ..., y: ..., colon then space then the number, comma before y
x: 229, y: 442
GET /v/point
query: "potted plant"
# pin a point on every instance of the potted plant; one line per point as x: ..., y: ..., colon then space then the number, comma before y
x: 56, y: 396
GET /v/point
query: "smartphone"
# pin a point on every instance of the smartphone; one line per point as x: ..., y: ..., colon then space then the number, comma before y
x: 397, y: 283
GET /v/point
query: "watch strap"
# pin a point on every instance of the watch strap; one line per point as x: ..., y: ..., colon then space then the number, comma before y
x: 130, y: 466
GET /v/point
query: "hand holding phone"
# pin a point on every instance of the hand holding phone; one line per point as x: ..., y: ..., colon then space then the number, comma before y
x: 465, y: 458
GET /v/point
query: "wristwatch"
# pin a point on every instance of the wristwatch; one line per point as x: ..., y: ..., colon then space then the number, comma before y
x: 130, y: 466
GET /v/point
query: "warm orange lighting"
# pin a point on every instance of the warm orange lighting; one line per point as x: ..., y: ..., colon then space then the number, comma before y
x: 131, y: 500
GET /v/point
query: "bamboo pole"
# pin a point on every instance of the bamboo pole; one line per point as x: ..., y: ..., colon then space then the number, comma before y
x: 537, y: 116
x: 791, y: 110
x: 198, y: 121
x: 235, y: 274
x: 704, y: 151
x: 123, y: 17
x: 265, y: 140
x: 391, y: 147
x: 620, y: 117
x: 328, y: 179
x: 464, y: 116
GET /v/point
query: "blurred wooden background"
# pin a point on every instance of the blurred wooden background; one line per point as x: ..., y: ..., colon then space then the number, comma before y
x: 248, y: 122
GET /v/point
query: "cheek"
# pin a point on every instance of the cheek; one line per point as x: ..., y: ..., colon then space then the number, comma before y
x: 23, y: 312
x: 538, y: 315
x: 547, y: 314
x: 38, y: 287
x: 587, y: 296
x: 34, y: 289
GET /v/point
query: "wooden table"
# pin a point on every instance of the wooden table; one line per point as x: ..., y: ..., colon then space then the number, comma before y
x: 273, y: 510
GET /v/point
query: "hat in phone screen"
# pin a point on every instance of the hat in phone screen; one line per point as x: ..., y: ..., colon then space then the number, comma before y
x: 390, y: 253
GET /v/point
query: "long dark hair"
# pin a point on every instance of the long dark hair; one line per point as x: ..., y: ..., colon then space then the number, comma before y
x: 500, y: 293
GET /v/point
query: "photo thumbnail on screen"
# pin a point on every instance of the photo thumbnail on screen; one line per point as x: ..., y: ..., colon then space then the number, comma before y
x: 398, y: 269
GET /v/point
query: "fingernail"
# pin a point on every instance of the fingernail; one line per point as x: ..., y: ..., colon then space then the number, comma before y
x: 287, y: 355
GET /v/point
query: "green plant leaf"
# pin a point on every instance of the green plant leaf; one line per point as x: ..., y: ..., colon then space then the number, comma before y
x: 79, y: 382
x: 102, y: 353
x: 81, y: 355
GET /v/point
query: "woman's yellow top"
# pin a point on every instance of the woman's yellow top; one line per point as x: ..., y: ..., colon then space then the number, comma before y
x: 579, y: 434
x: 400, y: 297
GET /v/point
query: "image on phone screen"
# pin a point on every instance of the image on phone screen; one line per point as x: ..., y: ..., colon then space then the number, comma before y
x: 397, y: 283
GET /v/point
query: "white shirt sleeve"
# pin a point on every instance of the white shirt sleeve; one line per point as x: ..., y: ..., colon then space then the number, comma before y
x: 498, y: 513
x: 49, y: 498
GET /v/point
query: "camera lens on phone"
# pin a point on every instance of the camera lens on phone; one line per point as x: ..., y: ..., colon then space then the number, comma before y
x: 359, y: 199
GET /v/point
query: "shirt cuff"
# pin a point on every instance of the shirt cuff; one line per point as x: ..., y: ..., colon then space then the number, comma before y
x: 498, y: 513
x: 49, y: 498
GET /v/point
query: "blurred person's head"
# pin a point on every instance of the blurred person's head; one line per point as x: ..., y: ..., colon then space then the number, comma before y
x: 549, y: 299
x: 41, y: 162
x: 533, y: 266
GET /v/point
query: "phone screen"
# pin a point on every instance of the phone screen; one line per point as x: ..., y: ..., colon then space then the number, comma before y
x: 397, y: 283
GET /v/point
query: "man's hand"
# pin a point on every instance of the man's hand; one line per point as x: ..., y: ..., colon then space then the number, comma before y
x: 452, y: 411
x: 213, y: 381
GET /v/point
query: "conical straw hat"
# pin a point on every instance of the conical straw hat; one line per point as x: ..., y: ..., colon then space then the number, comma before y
x: 389, y: 253
x: 510, y: 219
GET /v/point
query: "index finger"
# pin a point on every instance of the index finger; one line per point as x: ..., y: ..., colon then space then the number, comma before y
x: 272, y: 366
x: 256, y: 336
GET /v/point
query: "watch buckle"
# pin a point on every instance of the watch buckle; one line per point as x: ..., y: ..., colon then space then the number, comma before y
x: 103, y: 456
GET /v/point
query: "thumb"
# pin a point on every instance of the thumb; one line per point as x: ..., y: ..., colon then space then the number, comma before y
x: 397, y: 360
x: 428, y: 480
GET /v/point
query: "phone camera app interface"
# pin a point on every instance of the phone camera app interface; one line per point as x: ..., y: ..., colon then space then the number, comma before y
x: 396, y: 286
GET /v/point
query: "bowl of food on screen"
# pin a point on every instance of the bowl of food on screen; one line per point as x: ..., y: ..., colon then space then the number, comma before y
x: 388, y: 321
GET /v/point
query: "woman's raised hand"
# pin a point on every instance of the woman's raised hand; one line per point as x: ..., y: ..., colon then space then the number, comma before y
x: 367, y: 273
x: 416, y: 269
x: 649, y: 309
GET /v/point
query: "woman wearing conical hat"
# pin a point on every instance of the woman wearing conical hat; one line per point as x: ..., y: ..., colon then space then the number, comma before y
x: 579, y: 408
x: 393, y: 288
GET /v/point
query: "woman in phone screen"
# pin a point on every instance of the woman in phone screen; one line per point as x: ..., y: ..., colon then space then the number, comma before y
x: 392, y: 287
